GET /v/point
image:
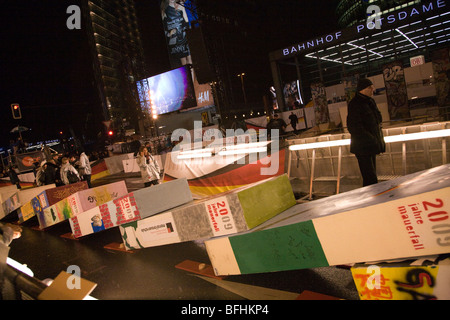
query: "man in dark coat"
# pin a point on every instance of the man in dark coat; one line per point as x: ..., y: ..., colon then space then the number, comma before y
x: 364, y: 124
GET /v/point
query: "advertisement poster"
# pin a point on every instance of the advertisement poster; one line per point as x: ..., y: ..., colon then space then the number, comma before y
x: 175, y: 18
x: 203, y: 92
x: 319, y: 97
x: 292, y: 96
x: 26, y: 161
x: 394, y: 80
x: 350, y: 83
x: 441, y: 70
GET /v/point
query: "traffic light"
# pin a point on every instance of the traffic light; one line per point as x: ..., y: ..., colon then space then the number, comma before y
x: 110, y: 133
x: 15, y: 108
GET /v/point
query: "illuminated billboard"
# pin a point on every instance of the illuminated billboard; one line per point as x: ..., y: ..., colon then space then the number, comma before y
x: 176, y: 16
x: 292, y: 95
x: 167, y: 92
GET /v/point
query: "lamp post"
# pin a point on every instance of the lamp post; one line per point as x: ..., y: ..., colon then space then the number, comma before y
x: 241, y: 75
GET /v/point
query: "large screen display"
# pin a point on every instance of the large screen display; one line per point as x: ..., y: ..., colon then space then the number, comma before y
x: 168, y: 92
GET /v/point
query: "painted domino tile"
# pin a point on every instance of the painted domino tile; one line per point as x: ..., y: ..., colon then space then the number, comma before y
x: 87, y: 199
x: 47, y: 198
x: 105, y: 216
x: 230, y: 212
x: 134, y: 206
x: 408, y: 227
x: 71, y: 206
x: 54, y: 195
x: 29, y: 210
x: 426, y: 278
x: 21, y: 197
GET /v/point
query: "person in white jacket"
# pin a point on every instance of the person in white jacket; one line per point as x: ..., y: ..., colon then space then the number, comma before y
x: 68, y: 173
x: 84, y: 168
x: 150, y: 171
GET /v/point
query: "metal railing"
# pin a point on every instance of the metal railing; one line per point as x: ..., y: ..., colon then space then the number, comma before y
x: 20, y: 286
x: 409, y: 149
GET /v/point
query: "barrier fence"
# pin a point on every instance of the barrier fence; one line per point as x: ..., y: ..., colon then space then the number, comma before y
x: 408, y: 149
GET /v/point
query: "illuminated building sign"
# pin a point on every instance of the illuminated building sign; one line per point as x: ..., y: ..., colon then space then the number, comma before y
x: 391, y: 20
x: 402, y: 15
x: 417, y: 61
x: 312, y: 43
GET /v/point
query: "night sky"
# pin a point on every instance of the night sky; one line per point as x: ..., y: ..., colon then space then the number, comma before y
x: 41, y: 68
x: 43, y: 64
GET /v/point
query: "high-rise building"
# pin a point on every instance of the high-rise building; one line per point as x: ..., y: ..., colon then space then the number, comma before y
x: 117, y: 58
x: 232, y: 33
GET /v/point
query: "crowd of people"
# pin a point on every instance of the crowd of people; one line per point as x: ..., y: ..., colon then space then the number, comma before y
x: 72, y: 167
x: 56, y: 169
x: 63, y: 170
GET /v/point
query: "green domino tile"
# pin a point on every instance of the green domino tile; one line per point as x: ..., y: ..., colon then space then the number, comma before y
x: 249, y: 206
x: 266, y: 200
x: 286, y: 248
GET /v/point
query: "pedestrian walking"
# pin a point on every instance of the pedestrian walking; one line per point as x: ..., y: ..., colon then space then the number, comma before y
x: 294, y: 120
x: 276, y: 124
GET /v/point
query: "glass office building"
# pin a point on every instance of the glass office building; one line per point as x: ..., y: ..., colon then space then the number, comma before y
x: 404, y: 50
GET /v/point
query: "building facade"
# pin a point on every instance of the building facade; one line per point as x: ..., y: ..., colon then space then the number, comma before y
x: 117, y: 58
x: 404, y: 50
x: 232, y: 33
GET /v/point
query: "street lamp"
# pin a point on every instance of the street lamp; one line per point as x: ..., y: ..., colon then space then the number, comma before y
x: 241, y: 75
x: 153, y: 110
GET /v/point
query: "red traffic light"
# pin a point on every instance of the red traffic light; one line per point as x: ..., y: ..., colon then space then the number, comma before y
x: 110, y: 133
x: 16, y: 113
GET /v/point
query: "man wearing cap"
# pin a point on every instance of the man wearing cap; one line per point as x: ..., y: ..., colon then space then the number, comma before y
x: 364, y: 124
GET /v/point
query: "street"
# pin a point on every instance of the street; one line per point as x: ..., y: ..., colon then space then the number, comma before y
x: 150, y: 274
